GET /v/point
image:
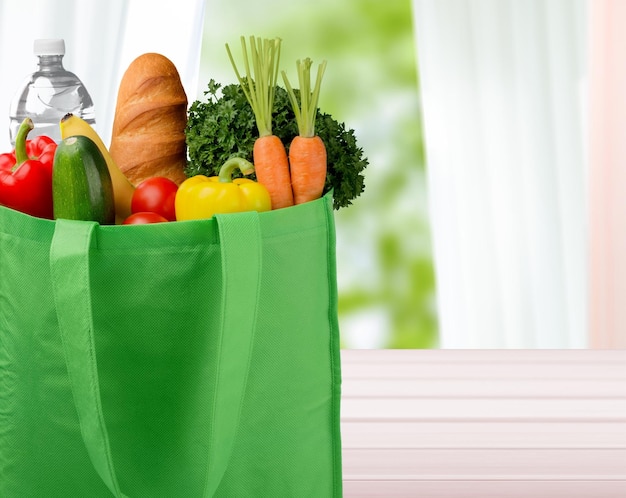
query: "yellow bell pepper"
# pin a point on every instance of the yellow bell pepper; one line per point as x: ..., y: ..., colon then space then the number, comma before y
x: 201, y: 197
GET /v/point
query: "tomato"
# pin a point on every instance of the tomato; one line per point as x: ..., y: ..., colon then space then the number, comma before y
x: 143, y: 218
x: 155, y: 195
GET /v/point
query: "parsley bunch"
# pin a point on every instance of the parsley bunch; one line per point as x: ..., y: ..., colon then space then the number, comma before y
x: 224, y: 126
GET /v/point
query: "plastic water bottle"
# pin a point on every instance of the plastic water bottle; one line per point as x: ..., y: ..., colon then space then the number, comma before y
x: 49, y: 93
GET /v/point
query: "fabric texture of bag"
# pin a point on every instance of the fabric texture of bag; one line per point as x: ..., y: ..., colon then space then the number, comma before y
x: 196, y: 358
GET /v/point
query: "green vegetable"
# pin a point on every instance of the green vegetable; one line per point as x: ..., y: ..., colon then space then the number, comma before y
x: 81, y: 183
x: 224, y: 126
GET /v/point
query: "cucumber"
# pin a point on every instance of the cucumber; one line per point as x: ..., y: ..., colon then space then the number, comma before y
x: 81, y: 183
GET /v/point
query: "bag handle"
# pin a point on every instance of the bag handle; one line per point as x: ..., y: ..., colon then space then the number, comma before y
x: 240, y: 245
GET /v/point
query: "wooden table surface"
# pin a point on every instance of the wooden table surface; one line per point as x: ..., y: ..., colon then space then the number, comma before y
x: 476, y: 423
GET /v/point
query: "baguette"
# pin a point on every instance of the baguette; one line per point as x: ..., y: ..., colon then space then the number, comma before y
x: 148, y: 136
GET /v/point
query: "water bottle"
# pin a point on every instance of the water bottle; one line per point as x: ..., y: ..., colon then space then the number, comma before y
x: 49, y: 93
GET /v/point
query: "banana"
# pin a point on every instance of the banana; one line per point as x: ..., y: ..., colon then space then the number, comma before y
x: 122, y: 187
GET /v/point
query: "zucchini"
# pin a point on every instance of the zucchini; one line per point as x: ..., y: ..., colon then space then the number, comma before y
x: 81, y: 183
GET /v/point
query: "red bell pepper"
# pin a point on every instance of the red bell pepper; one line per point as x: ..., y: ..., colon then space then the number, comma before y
x: 42, y: 148
x: 26, y: 174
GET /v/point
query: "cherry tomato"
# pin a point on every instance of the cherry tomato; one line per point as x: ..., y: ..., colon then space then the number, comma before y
x: 155, y: 195
x: 143, y: 218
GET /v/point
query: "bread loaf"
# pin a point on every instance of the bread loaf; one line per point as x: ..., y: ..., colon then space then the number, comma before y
x: 150, y: 117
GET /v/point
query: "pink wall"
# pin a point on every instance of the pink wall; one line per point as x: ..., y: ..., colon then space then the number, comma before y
x: 608, y: 175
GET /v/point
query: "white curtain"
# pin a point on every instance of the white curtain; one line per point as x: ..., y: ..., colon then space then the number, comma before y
x: 503, y: 92
x: 101, y: 39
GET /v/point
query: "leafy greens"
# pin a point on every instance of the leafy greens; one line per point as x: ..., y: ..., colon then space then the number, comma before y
x: 224, y: 126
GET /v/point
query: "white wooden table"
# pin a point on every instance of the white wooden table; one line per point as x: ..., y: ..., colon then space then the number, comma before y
x: 515, y: 423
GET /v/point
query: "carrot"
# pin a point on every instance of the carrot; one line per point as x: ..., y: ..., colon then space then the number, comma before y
x: 307, y: 162
x: 307, y: 153
x: 272, y: 170
x: 269, y: 155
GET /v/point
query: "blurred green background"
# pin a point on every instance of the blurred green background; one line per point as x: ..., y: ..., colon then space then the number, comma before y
x: 384, y: 256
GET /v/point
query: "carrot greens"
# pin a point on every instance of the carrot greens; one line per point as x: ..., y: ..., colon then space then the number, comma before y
x: 270, y: 156
x: 306, y: 110
x: 260, y: 82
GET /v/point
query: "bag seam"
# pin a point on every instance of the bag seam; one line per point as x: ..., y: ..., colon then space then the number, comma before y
x: 335, y: 386
x: 177, y: 247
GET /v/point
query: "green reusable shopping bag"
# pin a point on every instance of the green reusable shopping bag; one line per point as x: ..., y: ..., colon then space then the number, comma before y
x: 196, y: 358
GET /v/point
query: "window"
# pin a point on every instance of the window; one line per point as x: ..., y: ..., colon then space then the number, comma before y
x: 386, y: 280
x: 496, y: 251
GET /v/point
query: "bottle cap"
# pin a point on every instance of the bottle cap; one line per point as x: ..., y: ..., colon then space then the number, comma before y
x: 49, y: 46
